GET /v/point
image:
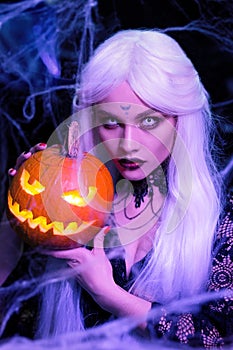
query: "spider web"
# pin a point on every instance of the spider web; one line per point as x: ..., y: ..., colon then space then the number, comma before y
x: 43, y: 46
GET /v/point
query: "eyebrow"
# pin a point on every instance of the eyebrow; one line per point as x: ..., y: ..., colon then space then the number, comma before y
x: 105, y: 113
x: 147, y: 112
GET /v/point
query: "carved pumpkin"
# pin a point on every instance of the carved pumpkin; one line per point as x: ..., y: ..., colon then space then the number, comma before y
x: 59, y: 202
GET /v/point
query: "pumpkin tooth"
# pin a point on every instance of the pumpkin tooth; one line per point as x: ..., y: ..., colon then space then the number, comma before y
x: 14, y: 208
x: 40, y: 221
x: 73, y: 228
x: 58, y: 226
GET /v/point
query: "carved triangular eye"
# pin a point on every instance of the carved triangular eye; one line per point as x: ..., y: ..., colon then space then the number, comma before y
x: 74, y: 197
x: 35, y: 188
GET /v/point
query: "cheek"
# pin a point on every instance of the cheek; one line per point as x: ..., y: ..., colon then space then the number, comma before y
x: 108, y: 134
x: 110, y: 139
x: 112, y: 147
x: 160, y: 146
x: 102, y: 134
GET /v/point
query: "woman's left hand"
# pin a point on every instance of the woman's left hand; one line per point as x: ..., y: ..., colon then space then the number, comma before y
x: 92, y: 267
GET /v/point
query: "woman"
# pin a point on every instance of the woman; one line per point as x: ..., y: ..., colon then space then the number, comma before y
x: 142, y: 107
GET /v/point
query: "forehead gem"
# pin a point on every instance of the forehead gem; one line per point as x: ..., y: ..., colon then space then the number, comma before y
x: 125, y: 108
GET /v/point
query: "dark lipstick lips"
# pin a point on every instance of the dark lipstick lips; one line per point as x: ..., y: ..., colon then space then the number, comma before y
x: 133, y: 163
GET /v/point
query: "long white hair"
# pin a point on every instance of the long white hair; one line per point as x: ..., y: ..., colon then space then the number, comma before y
x: 162, y: 75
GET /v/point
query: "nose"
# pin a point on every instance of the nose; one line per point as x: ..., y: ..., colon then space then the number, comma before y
x: 128, y: 143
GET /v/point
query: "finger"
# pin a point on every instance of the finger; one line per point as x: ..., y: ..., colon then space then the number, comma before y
x: 99, y: 238
x: 12, y: 172
x: 73, y: 263
x: 38, y: 147
x: 23, y: 156
x: 69, y: 254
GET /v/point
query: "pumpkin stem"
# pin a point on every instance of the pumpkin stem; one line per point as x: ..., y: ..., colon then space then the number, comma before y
x: 73, y: 140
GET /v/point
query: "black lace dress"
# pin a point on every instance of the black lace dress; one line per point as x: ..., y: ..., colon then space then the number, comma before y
x: 210, y: 327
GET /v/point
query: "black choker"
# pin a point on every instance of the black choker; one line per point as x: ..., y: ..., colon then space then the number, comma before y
x: 140, y: 191
x: 142, y: 187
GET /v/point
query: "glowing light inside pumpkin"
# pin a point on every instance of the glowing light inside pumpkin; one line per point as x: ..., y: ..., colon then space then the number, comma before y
x: 41, y: 221
x: 35, y: 188
x: 73, y: 197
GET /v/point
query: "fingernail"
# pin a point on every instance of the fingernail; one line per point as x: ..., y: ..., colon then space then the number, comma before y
x: 12, y: 171
x: 107, y: 229
x: 26, y: 154
x: 42, y: 144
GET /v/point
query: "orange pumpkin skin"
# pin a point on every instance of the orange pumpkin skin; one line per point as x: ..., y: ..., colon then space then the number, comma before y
x: 59, y: 202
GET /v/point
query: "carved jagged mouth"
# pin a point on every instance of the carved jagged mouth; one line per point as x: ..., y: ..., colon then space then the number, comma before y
x: 41, y: 221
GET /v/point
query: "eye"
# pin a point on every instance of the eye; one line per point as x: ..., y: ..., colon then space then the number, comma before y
x: 74, y: 197
x: 110, y: 123
x: 150, y: 122
x: 35, y: 188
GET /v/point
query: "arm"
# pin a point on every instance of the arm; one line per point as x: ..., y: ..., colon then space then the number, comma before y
x: 121, y: 303
x: 93, y: 271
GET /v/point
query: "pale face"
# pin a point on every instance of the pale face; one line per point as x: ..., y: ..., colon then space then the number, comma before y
x: 137, y: 137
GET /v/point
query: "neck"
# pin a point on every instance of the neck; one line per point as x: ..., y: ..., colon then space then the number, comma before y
x: 135, y: 223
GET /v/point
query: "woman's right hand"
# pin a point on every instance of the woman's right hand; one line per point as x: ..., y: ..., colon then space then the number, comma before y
x: 24, y: 156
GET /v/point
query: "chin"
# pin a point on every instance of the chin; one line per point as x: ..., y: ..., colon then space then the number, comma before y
x: 133, y: 175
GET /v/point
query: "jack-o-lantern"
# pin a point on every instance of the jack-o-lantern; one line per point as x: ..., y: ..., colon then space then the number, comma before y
x: 58, y: 201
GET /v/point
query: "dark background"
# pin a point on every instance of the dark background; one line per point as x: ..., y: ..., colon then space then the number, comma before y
x: 63, y: 34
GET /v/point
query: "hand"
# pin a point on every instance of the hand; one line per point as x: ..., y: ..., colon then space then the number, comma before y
x: 92, y: 267
x: 24, y: 156
x: 94, y: 273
